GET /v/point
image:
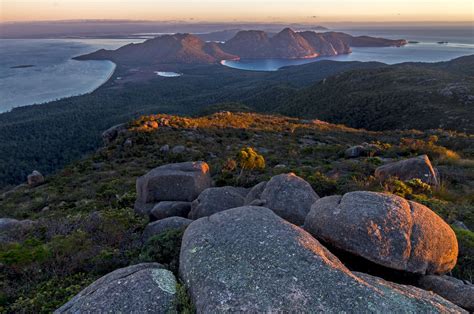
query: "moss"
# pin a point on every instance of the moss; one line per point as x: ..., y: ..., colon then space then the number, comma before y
x: 183, y: 301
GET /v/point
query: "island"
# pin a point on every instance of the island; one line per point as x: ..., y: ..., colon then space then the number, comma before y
x: 22, y: 66
x: 253, y: 44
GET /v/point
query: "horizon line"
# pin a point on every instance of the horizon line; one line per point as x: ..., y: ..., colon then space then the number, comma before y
x: 238, y: 22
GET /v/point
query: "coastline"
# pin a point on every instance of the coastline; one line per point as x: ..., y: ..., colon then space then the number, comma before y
x: 114, y: 68
x: 89, y: 91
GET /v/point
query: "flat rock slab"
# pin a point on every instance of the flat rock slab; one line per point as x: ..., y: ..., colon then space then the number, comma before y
x: 248, y: 259
x: 385, y: 229
x: 142, y: 288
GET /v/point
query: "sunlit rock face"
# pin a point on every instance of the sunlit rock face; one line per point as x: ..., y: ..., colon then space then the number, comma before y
x: 385, y: 229
x: 413, y: 168
x: 248, y: 259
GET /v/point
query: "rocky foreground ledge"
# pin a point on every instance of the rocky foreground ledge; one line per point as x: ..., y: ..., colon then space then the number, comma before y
x: 259, y: 250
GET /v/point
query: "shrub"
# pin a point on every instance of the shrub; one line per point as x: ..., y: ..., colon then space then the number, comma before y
x: 322, y: 184
x: 419, y: 187
x: 397, y: 187
x: 51, y: 294
x: 249, y: 160
x: 164, y: 248
x: 18, y: 255
x: 465, y: 266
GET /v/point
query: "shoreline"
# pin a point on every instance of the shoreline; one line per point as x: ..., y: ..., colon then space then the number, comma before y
x: 90, y: 91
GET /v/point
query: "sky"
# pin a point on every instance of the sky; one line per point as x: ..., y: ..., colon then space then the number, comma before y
x: 301, y: 11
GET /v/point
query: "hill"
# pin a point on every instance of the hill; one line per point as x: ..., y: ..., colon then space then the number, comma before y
x: 49, y: 136
x: 403, y: 96
x: 85, y: 225
x: 178, y: 48
x: 191, y: 49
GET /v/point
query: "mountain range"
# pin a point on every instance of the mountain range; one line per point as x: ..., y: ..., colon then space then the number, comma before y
x: 191, y: 49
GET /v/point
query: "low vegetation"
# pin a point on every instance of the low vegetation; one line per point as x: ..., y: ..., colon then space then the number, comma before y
x: 86, y: 226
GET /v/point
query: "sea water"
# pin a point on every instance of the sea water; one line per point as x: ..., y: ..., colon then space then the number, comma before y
x: 34, y: 71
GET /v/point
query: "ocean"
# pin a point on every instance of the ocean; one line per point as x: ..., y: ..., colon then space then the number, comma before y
x: 35, y: 71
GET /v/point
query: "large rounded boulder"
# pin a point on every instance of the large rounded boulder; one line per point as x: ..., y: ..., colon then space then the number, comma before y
x: 385, y: 229
x: 142, y: 288
x: 413, y: 168
x: 289, y: 196
x: 248, y: 259
x: 214, y: 200
x: 172, y: 182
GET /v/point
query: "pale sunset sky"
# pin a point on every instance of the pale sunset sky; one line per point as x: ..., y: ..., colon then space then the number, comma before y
x: 311, y: 11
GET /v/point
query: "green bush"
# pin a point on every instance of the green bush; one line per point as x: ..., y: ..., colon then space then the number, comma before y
x: 164, y: 248
x: 322, y: 184
x: 50, y: 295
x: 465, y: 267
x: 22, y: 254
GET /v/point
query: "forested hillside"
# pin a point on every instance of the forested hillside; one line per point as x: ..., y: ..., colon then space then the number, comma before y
x: 46, y: 137
x: 406, y: 96
x: 363, y: 95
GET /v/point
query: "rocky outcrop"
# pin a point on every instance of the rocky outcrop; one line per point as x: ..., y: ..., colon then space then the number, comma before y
x: 419, y: 167
x: 163, y: 225
x: 35, y: 178
x: 248, y: 259
x: 214, y: 200
x: 13, y: 230
x: 457, y: 291
x: 142, y: 288
x: 289, y: 196
x: 172, y: 182
x: 170, y: 209
x: 385, y: 229
x: 113, y: 132
x: 365, y: 149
